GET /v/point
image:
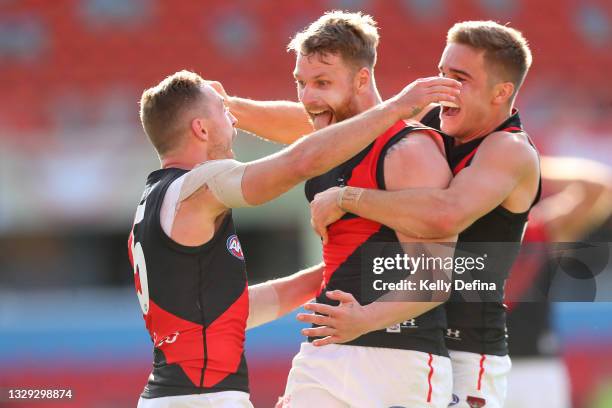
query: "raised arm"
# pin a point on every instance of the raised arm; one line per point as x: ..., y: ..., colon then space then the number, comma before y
x: 278, y: 121
x: 311, y: 156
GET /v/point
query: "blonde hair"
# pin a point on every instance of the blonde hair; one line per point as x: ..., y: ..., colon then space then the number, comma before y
x: 161, y: 108
x: 506, y: 49
x: 352, y: 35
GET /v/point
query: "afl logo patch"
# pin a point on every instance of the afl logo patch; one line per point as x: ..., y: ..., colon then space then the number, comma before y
x: 234, y: 248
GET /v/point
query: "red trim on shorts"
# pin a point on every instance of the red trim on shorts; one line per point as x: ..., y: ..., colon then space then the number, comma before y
x: 512, y: 129
x: 431, y: 371
x: 480, y: 374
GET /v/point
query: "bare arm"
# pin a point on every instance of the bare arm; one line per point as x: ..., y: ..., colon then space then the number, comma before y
x: 581, y: 199
x: 273, y: 299
x: 267, y: 178
x: 278, y: 121
x: 503, y: 163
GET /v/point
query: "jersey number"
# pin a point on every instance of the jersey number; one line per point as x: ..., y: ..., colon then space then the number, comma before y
x: 139, y: 264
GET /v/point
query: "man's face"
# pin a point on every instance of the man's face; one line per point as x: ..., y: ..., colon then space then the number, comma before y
x: 326, y: 88
x: 466, y: 65
x: 220, y: 125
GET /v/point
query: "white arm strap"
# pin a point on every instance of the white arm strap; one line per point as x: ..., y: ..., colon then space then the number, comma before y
x: 223, y: 177
x: 263, y: 304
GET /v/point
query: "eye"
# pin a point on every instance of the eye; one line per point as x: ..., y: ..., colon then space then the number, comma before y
x: 322, y: 83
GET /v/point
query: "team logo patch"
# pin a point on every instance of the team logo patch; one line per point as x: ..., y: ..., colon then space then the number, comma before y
x: 455, y: 400
x: 475, y: 402
x: 234, y: 248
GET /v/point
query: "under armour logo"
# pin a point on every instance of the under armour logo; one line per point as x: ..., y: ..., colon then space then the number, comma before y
x: 410, y: 323
x: 396, y: 328
x: 453, y: 334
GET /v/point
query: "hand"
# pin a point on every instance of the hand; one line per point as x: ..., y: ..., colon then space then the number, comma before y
x: 324, y: 210
x: 420, y: 93
x: 339, y: 324
x: 217, y: 86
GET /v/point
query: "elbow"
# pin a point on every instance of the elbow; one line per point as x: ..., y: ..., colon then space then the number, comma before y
x: 304, y: 164
x: 446, y: 219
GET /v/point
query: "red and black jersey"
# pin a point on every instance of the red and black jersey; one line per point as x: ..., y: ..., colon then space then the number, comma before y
x: 350, y: 236
x: 194, y: 301
x: 480, y: 327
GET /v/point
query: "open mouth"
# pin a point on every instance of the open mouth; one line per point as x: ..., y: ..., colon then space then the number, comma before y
x: 450, y: 111
x: 321, y: 119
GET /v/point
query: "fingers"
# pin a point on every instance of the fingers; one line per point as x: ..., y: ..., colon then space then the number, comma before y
x: 441, y: 81
x: 442, y: 97
x: 319, y: 331
x: 341, y: 296
x: 319, y: 230
x: 324, y: 236
x: 217, y: 86
x: 317, y: 319
x: 321, y: 308
x: 444, y: 89
x: 326, y: 340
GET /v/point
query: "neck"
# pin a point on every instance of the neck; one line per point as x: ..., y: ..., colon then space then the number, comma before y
x: 488, y: 126
x: 369, y: 99
x: 182, y: 161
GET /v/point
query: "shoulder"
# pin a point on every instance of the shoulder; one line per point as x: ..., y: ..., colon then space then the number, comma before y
x: 416, y: 161
x: 417, y: 145
x: 511, y: 147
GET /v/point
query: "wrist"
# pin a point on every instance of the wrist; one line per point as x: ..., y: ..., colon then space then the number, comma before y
x: 348, y: 198
x: 392, y: 108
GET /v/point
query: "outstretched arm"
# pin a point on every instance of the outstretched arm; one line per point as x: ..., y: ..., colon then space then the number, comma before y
x: 278, y: 121
x: 267, y: 178
x: 272, y: 299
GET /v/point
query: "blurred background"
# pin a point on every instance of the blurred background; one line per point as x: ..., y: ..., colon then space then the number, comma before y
x: 73, y: 162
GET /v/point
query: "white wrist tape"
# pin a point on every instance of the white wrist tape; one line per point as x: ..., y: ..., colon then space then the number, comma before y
x: 263, y: 304
x: 223, y: 177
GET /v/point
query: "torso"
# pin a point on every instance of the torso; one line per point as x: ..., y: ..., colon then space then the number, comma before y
x: 352, y: 238
x: 194, y: 301
x: 480, y: 326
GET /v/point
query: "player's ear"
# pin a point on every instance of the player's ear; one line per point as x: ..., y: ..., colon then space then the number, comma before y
x: 362, y: 79
x: 199, y: 129
x: 502, y: 93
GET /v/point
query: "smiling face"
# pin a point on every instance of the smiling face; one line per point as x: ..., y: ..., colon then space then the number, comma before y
x: 467, y: 65
x: 326, y: 86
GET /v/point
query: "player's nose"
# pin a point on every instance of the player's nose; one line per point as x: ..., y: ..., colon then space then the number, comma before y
x: 308, y: 96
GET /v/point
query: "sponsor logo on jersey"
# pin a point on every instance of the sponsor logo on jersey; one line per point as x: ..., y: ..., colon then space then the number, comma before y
x: 475, y: 402
x: 171, y: 338
x: 234, y: 248
x: 455, y: 400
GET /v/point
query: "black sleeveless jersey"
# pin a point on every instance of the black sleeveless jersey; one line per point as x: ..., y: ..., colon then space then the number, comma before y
x: 194, y: 301
x: 352, y: 236
x: 480, y: 326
